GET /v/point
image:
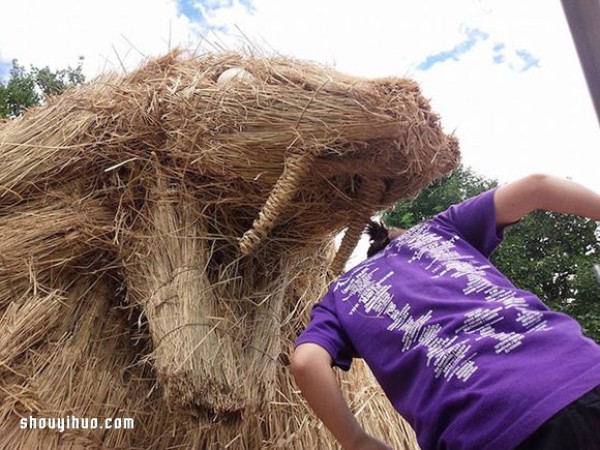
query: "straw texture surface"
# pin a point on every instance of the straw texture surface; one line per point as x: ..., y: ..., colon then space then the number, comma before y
x: 165, y: 233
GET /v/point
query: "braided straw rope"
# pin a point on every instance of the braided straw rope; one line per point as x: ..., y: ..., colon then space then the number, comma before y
x: 369, y: 196
x: 297, y: 166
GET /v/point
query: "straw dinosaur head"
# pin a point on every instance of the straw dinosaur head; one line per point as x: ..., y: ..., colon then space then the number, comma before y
x: 301, y: 143
x: 205, y: 186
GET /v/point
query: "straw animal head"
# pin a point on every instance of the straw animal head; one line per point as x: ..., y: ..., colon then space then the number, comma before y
x: 304, y: 139
x: 209, y: 184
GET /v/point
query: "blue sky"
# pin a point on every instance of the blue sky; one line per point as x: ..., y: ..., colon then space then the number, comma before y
x: 519, y: 60
x: 197, y: 10
x: 472, y: 37
x: 201, y: 13
x: 527, y: 59
x: 190, y: 9
x: 498, y: 56
x: 5, y: 67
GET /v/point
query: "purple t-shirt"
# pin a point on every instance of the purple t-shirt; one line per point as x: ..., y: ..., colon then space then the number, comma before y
x: 469, y: 360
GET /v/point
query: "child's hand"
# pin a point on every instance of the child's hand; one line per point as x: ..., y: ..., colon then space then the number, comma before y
x: 367, y: 442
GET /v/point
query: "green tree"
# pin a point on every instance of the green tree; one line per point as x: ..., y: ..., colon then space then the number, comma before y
x: 551, y: 255
x: 28, y: 87
x: 463, y: 183
x: 586, y: 305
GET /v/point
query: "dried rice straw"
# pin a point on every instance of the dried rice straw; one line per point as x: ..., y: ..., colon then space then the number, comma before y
x: 165, y: 235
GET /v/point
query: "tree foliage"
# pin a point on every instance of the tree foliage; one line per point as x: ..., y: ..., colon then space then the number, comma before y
x: 551, y: 255
x: 28, y: 87
x: 461, y: 184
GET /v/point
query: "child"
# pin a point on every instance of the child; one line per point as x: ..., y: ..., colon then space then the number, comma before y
x: 469, y: 360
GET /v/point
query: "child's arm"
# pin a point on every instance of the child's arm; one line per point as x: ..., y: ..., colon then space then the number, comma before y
x: 311, y: 367
x: 515, y: 200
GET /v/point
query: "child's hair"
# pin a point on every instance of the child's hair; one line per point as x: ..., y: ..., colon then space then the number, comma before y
x: 379, y: 237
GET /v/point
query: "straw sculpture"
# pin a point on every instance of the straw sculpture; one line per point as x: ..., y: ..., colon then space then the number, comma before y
x: 165, y: 233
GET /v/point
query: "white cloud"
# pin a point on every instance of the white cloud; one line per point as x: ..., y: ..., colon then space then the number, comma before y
x: 57, y: 32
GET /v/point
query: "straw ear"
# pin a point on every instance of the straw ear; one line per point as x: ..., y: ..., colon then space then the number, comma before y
x: 370, y: 194
x: 296, y: 167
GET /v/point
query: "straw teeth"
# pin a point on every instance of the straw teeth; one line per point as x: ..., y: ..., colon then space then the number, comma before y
x: 165, y: 233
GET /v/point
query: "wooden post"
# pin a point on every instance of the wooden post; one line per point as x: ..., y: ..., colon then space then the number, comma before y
x: 583, y: 17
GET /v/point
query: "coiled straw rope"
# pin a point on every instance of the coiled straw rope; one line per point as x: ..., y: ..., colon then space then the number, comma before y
x: 297, y: 166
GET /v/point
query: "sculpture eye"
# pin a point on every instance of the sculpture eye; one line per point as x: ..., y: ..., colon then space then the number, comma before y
x: 236, y: 75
